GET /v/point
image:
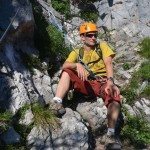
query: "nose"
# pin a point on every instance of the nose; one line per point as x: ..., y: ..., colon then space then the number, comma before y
x: 93, y: 37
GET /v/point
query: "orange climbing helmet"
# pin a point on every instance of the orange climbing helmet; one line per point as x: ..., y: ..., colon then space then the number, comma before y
x: 88, y: 27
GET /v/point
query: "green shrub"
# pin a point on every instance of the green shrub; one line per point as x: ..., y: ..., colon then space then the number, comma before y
x: 145, y: 48
x: 137, y: 131
x: 5, y: 120
x: 48, y: 40
x: 57, y: 40
x: 62, y: 6
x: 129, y: 94
x: 88, y: 11
x: 88, y: 15
x: 5, y: 116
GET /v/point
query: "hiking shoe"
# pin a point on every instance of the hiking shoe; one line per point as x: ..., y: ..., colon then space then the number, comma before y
x: 57, y: 108
x: 112, y: 143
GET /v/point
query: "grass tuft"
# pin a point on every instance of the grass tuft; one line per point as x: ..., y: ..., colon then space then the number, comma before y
x: 145, y: 48
x: 5, y: 120
x: 44, y: 117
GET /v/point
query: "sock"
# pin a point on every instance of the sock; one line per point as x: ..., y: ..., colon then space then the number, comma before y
x: 110, y: 131
x: 57, y: 100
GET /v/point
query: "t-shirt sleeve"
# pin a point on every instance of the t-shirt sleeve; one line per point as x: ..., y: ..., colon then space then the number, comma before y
x: 106, y: 50
x: 73, y: 56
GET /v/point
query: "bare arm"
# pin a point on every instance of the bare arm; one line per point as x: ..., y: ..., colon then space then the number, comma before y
x: 82, y: 73
x: 110, y: 88
x: 69, y: 65
x: 109, y: 66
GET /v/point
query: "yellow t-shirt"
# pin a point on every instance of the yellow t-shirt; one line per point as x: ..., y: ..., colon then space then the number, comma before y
x: 97, y: 65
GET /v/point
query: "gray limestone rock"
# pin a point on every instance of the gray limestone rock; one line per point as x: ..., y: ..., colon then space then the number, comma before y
x: 72, y: 134
x: 94, y: 113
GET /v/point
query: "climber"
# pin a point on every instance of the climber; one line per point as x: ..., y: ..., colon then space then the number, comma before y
x: 90, y: 74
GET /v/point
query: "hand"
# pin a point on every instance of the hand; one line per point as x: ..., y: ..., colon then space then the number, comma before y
x: 116, y: 91
x: 82, y: 72
x: 109, y: 88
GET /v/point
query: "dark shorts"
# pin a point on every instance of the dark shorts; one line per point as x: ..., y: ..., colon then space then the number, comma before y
x: 91, y: 87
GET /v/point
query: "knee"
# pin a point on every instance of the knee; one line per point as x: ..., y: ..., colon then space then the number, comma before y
x: 65, y: 75
x: 114, y: 105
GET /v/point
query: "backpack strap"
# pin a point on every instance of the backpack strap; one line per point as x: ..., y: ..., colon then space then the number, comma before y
x: 97, y: 49
x: 81, y: 53
x: 80, y: 59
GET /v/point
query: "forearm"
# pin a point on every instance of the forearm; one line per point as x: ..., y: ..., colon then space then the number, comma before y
x: 109, y: 70
x: 69, y: 65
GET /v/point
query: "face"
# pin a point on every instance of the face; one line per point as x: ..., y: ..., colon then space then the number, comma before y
x: 89, y: 38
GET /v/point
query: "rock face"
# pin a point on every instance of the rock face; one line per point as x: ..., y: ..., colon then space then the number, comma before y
x: 18, y: 84
x: 72, y: 134
x: 124, y: 22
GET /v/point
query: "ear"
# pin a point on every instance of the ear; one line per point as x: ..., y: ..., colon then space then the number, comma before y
x: 82, y: 38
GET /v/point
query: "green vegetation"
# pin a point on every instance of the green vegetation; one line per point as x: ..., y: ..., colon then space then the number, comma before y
x: 144, y: 71
x: 126, y: 66
x: 136, y: 131
x: 62, y: 7
x: 44, y: 117
x: 57, y: 40
x: 48, y: 40
x: 130, y: 95
x: 89, y: 12
x: 21, y: 112
x: 5, y: 120
x: 13, y: 147
x: 5, y: 116
x: 23, y: 131
x: 145, y: 48
x: 32, y: 62
x: 89, y: 15
x: 146, y: 91
x: 143, y: 74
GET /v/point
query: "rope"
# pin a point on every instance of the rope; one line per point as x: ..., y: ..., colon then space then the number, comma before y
x: 3, y: 36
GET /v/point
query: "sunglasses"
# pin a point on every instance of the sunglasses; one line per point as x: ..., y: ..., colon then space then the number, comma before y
x: 91, y: 35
